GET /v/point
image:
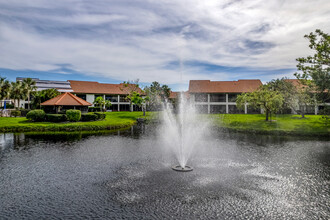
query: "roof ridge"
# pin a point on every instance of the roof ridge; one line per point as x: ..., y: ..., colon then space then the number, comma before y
x: 75, y: 98
x: 62, y: 96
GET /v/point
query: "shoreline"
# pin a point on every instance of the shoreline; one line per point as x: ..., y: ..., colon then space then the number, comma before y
x: 292, y: 125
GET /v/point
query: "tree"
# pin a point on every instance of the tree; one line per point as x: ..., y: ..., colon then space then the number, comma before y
x: 140, y: 101
x: 317, y: 66
x: 5, y: 88
x: 268, y: 100
x: 304, y: 97
x: 99, y: 101
x: 157, y: 94
x: 131, y: 87
x: 286, y: 89
x: 29, y: 87
x: 42, y: 96
x: 17, y: 92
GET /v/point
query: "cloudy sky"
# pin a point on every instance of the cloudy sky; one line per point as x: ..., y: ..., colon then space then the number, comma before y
x: 169, y: 41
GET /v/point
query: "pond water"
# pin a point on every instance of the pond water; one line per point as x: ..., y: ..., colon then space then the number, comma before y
x: 127, y: 174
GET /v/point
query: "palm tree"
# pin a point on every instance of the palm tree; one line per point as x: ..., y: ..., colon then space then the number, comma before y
x: 17, y: 92
x: 29, y: 86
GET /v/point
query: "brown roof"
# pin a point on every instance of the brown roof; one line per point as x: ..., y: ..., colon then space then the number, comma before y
x: 89, y: 87
x: 66, y: 99
x: 207, y: 86
x: 295, y: 82
x: 174, y: 95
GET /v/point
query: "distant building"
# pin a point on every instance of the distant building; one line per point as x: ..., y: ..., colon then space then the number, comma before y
x: 311, y: 109
x: 115, y: 93
x: 88, y: 91
x: 61, y: 86
x: 220, y: 96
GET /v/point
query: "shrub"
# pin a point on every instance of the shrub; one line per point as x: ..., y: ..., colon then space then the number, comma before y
x: 73, y: 115
x: 36, y: 115
x: 56, y: 117
x: 100, y: 115
x: 24, y: 112
x: 15, y: 113
x: 89, y: 117
x: 93, y: 109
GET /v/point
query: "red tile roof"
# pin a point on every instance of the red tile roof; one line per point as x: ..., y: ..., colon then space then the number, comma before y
x: 88, y: 87
x: 66, y: 99
x: 207, y: 86
x: 295, y: 82
x: 174, y: 95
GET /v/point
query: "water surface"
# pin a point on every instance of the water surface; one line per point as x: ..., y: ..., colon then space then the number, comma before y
x: 127, y: 174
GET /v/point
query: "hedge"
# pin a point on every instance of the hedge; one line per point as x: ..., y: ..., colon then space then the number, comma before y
x: 89, y: 117
x: 15, y: 113
x: 73, y: 115
x: 100, y: 115
x: 36, y: 115
x: 56, y: 117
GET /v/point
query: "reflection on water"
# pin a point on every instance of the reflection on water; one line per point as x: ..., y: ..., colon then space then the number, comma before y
x: 127, y: 174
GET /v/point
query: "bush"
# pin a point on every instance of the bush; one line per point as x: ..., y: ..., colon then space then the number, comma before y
x: 15, y: 113
x: 100, y: 115
x: 56, y: 117
x: 73, y: 115
x: 93, y: 109
x: 89, y: 117
x: 36, y: 115
x: 24, y: 112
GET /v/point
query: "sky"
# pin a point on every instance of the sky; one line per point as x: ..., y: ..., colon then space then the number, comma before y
x: 169, y: 41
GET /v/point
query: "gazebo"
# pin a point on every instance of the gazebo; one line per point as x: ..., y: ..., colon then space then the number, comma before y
x: 65, y: 101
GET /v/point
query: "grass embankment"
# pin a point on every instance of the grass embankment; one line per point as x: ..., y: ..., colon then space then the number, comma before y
x: 311, y: 125
x: 113, y: 120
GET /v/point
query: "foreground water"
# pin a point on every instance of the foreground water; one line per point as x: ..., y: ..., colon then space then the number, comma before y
x: 128, y: 174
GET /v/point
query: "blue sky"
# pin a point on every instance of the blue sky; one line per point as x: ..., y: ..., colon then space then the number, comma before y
x: 166, y: 41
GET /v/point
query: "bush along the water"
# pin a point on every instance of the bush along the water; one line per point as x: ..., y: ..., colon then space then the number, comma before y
x: 73, y: 115
x: 88, y: 117
x: 56, y: 117
x: 36, y: 115
x: 15, y: 113
x: 100, y: 115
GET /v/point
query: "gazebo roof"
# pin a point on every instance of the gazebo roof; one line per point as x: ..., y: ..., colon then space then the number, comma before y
x: 66, y: 99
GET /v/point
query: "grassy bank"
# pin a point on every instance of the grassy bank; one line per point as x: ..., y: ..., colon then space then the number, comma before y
x: 113, y: 120
x: 311, y: 125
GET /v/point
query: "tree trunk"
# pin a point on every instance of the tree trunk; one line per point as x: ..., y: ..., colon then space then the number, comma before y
x: 303, y: 111
x: 28, y: 100
x: 267, y: 113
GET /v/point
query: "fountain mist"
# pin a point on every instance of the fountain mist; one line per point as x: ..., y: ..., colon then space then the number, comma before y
x: 182, y: 129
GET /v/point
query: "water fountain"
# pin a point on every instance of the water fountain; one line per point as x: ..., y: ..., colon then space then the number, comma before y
x: 182, y: 130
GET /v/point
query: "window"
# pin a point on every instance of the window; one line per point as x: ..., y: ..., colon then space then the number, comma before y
x: 202, y: 97
x: 112, y: 98
x: 82, y: 96
x: 232, y: 97
x: 201, y: 109
x: 217, y: 109
x: 232, y: 109
x: 218, y: 97
x: 123, y: 98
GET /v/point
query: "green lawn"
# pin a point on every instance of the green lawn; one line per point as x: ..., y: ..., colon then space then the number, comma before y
x: 289, y: 124
x: 113, y: 120
x: 281, y: 124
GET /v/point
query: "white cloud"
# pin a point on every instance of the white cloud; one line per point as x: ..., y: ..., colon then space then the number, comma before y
x: 127, y: 40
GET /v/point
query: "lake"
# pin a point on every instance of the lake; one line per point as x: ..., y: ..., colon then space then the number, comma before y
x: 127, y: 174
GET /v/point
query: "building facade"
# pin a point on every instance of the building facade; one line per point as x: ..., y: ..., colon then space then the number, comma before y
x: 220, y: 96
